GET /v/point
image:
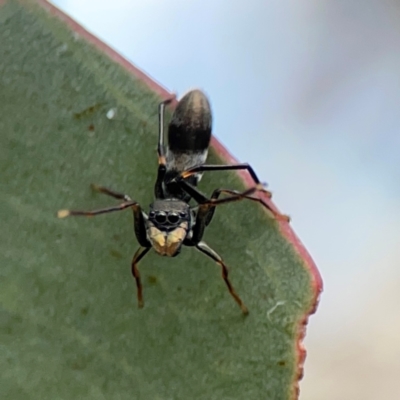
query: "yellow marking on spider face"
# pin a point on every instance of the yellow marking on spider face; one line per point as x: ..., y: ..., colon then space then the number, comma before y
x: 174, y: 240
x: 63, y: 213
x: 158, y: 240
x: 167, y: 243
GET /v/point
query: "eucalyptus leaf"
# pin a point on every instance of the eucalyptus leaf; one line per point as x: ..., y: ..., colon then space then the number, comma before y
x: 70, y: 326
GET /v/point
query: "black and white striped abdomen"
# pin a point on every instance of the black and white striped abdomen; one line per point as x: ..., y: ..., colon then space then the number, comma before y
x: 189, y: 132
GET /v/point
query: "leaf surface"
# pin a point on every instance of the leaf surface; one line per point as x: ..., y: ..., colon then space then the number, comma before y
x: 70, y: 326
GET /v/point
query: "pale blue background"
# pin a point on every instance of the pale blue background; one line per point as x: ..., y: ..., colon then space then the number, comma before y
x: 308, y: 92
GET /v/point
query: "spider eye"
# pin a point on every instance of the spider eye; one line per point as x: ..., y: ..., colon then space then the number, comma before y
x: 182, y: 214
x: 161, y: 218
x: 173, y: 218
x: 152, y: 214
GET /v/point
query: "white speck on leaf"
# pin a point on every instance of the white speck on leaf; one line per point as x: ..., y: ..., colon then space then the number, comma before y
x: 111, y: 113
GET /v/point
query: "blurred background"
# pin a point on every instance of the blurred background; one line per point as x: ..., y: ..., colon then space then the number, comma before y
x: 308, y: 92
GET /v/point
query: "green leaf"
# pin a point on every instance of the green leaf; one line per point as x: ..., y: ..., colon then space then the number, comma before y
x: 70, y: 326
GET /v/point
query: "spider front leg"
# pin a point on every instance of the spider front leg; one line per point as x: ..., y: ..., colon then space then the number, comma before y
x: 140, y: 253
x: 120, y: 207
x: 235, y: 195
x: 235, y: 167
x: 215, y: 195
x: 195, y: 240
x: 208, y: 251
x: 110, y: 192
x: 128, y: 202
x: 139, y: 227
x: 162, y: 169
